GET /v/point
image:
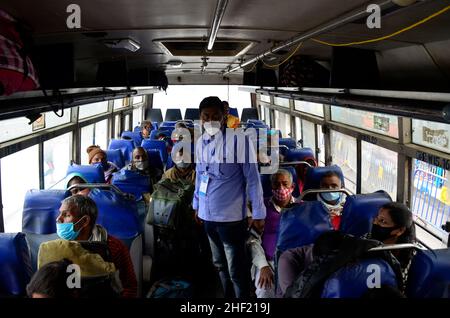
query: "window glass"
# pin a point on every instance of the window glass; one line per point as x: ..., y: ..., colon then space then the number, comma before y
x: 127, y: 123
x: 117, y: 131
x: 92, y: 109
x: 137, y: 116
x: 376, y: 122
x: 265, y: 98
x: 120, y: 103
x: 20, y: 173
x: 343, y: 153
x: 267, y: 114
x: 308, y: 107
x: 309, y: 136
x: 430, y: 195
x: 101, y: 134
x: 51, y: 120
x: 379, y: 169
x: 321, y: 146
x: 284, y: 102
x: 57, y: 155
x: 138, y: 99
x: 283, y: 123
x: 431, y: 134
x: 262, y: 112
x: 298, y: 128
x: 87, y: 139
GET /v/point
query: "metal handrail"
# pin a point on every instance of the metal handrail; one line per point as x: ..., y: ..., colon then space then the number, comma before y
x: 309, y: 191
x: 393, y: 247
x: 290, y: 163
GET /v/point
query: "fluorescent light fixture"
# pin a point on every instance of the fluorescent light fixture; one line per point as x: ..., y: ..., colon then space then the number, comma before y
x: 127, y: 44
x: 175, y: 63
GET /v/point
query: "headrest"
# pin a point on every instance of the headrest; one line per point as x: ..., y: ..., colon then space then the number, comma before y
x: 90, y: 173
x: 289, y: 142
x: 302, y: 224
x: 256, y: 121
x: 135, y: 136
x: 429, y: 274
x: 137, y: 129
x: 15, y: 264
x: 172, y: 114
x: 192, y: 113
x: 117, y: 214
x: 126, y: 146
x: 168, y: 124
x: 299, y: 154
x: 116, y: 157
x: 351, y: 281
x: 166, y: 131
x: 154, y: 159
x: 91, y: 264
x: 359, y: 211
x: 234, y: 112
x: 159, y: 145
x: 132, y: 182
x: 40, y: 209
x: 315, y: 174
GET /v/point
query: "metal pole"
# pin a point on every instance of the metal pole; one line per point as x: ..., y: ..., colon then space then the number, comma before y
x: 218, y: 16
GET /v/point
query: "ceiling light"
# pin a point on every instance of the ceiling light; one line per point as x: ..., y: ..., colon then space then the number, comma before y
x: 127, y: 44
x: 175, y: 63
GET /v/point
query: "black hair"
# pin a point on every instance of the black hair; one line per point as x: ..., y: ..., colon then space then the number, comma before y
x: 402, y: 217
x: 51, y: 281
x: 212, y: 101
x: 329, y: 174
x: 77, y: 179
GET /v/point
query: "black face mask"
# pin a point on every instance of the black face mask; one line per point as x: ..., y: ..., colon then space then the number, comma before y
x: 381, y: 233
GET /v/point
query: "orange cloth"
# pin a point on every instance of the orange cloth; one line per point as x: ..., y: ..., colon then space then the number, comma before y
x: 232, y: 121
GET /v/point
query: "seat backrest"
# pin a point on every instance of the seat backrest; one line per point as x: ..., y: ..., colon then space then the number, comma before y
x: 116, y: 157
x: 91, y: 173
x: 315, y: 174
x: 359, y: 211
x: 289, y: 142
x: 137, y: 129
x: 302, y: 224
x: 429, y: 274
x: 192, y: 113
x: 298, y: 154
x: 234, y: 112
x: 249, y: 113
x: 15, y: 265
x: 351, y: 280
x: 168, y: 123
x: 160, y: 145
x: 135, y: 136
x: 132, y: 182
x: 154, y: 159
x: 126, y: 146
x: 257, y: 122
x: 155, y: 114
x: 40, y: 209
x: 173, y: 114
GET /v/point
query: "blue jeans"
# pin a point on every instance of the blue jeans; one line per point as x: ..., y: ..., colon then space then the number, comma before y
x: 229, y: 253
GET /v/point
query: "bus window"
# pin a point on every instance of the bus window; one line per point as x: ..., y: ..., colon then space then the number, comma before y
x: 431, y: 134
x: 137, y: 116
x: 321, y: 145
x: 101, y: 134
x: 57, y: 155
x: 120, y: 103
x: 138, y: 99
x: 267, y: 115
x: 117, y: 131
x: 262, y: 113
x: 308, y: 107
x: 376, y: 122
x: 430, y: 198
x: 127, y: 122
x: 283, y: 102
x: 20, y: 173
x: 298, y: 128
x: 343, y: 152
x: 283, y: 123
x: 93, y: 109
x: 379, y: 169
x: 265, y: 98
x: 309, y: 136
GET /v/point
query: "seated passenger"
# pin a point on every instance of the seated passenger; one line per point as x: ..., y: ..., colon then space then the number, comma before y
x: 182, y: 170
x: 77, y: 178
x: 140, y: 164
x: 76, y: 221
x: 98, y: 156
x: 393, y: 225
x: 333, y: 201
x: 50, y: 281
x: 231, y: 120
x: 146, y: 128
x: 263, y: 252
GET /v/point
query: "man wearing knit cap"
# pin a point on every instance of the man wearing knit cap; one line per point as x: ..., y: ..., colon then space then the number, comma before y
x: 98, y: 156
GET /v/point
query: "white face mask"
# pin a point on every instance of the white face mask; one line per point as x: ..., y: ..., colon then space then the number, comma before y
x: 211, y: 127
x: 182, y: 164
x: 141, y: 165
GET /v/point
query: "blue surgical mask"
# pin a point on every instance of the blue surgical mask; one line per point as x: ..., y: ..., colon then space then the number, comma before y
x: 104, y: 165
x: 331, y: 197
x: 66, y: 231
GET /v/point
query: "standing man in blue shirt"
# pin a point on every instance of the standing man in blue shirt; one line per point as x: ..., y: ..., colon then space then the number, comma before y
x: 222, y: 183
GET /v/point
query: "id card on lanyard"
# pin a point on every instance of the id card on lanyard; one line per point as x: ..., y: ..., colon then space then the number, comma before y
x: 204, y: 179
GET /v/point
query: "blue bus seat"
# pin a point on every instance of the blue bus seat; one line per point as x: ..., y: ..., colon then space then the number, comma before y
x: 192, y: 113
x: 359, y: 211
x: 234, y: 111
x: 315, y: 174
x: 289, y: 142
x: 169, y: 123
x: 132, y: 182
x: 351, y: 280
x: 299, y: 154
x: 91, y: 173
x: 173, y: 114
x: 154, y: 159
x: 160, y: 145
x: 116, y: 157
x: 155, y: 114
x: 249, y: 113
x: 130, y: 135
x: 15, y: 265
x: 429, y: 274
x: 137, y: 129
x: 257, y: 122
x: 301, y: 225
x: 126, y: 146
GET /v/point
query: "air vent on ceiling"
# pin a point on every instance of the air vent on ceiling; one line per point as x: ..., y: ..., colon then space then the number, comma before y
x: 196, y: 47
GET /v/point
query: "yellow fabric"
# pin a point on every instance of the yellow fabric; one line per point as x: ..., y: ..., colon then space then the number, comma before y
x: 175, y: 174
x: 91, y: 264
x: 232, y: 121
